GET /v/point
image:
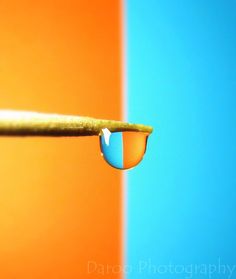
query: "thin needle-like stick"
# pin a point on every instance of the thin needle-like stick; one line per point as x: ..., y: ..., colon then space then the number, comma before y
x: 23, y: 123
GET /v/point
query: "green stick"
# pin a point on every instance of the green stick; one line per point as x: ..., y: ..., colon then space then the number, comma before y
x: 23, y: 123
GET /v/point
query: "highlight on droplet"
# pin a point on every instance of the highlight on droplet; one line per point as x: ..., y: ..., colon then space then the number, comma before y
x: 123, y: 150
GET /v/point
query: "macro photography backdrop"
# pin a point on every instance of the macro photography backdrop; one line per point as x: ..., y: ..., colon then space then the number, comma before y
x: 64, y: 213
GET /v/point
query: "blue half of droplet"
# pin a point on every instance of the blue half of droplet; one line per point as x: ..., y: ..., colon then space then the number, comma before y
x: 113, y: 149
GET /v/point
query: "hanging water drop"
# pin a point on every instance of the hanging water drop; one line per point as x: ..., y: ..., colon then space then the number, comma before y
x: 123, y: 150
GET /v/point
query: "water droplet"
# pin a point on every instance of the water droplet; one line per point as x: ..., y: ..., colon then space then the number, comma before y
x: 123, y: 150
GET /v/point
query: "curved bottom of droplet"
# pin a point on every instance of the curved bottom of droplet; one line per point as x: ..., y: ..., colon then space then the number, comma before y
x: 123, y: 150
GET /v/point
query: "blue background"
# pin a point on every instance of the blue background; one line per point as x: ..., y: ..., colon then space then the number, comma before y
x: 181, y: 74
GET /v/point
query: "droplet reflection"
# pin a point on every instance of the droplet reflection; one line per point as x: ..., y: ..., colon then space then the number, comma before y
x: 123, y: 150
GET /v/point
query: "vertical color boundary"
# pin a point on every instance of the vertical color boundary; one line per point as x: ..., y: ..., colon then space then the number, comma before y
x: 124, y: 106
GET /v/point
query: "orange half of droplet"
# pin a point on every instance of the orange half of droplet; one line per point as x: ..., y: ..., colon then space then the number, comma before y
x: 134, y: 147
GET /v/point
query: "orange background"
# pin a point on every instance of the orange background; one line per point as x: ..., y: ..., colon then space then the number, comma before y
x: 60, y: 204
